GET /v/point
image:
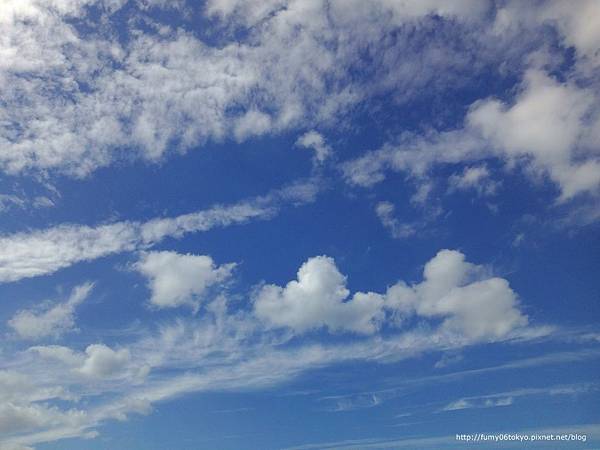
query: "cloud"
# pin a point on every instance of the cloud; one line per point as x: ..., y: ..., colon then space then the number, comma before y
x: 475, y: 178
x: 509, y: 397
x: 50, y: 320
x: 317, y: 299
x: 399, y: 230
x: 93, y: 99
x: 470, y: 302
x: 30, y: 254
x: 550, y: 129
x: 404, y: 385
x: 468, y: 404
x: 552, y: 124
x: 473, y: 305
x: 578, y: 27
x: 102, y: 361
x: 316, y: 142
x: 225, y: 348
x: 176, y: 279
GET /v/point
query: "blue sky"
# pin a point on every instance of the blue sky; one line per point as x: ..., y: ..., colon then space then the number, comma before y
x: 288, y: 224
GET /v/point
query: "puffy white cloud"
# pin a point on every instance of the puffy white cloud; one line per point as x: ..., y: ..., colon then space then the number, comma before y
x: 102, y: 361
x: 30, y: 254
x: 473, y: 306
x: 315, y: 141
x: 318, y: 299
x: 50, y: 319
x: 176, y: 279
x: 471, y: 303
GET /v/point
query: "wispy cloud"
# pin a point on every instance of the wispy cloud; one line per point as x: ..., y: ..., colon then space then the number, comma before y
x: 30, y: 254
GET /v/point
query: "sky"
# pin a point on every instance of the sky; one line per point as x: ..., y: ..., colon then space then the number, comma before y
x: 298, y: 224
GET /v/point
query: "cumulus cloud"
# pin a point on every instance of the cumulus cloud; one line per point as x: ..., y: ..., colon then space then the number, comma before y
x: 30, y: 254
x: 550, y: 129
x: 470, y: 302
x: 102, y: 361
x: 317, y: 299
x: 473, y: 306
x: 177, y: 279
x: 50, y: 319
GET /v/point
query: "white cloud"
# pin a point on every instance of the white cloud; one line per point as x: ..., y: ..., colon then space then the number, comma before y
x: 102, y: 361
x: 17, y: 417
x: 315, y: 141
x: 93, y: 99
x: 578, y: 27
x: 176, y: 279
x: 30, y: 254
x: 318, y: 299
x: 473, y: 305
x: 475, y: 178
x: 252, y: 123
x: 226, y: 349
x: 468, y: 404
x: 399, y: 230
x: 50, y: 319
x: 415, y: 155
x: 550, y: 123
x: 508, y: 398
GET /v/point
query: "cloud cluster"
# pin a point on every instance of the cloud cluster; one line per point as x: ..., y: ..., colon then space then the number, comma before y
x: 79, y: 93
x: 456, y: 304
x: 550, y: 129
x: 471, y: 304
